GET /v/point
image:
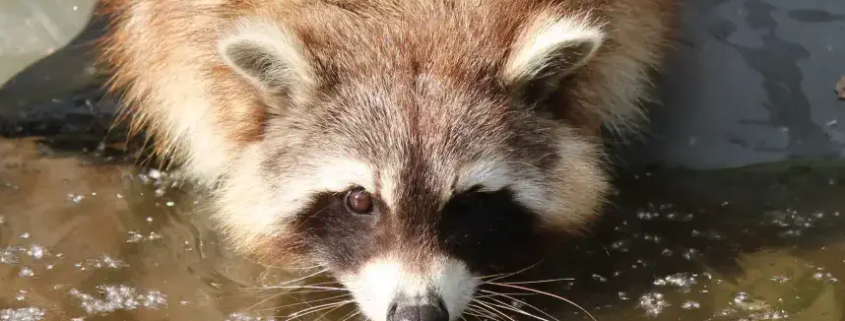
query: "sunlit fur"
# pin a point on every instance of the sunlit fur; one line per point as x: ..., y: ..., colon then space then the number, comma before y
x: 281, y: 106
x: 385, y: 278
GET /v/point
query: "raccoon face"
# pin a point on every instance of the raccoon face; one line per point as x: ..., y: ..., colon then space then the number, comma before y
x: 408, y: 164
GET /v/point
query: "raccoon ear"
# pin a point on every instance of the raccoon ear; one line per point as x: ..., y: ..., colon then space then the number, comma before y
x: 548, y: 50
x: 271, y: 58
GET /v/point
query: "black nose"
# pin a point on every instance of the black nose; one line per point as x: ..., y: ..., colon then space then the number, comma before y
x: 417, y: 312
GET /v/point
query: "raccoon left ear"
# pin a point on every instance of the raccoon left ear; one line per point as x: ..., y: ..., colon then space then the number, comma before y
x: 270, y: 57
x: 549, y: 49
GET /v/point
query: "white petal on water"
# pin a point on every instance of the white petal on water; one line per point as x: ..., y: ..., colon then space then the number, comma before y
x: 118, y: 297
x: 653, y: 303
x: 8, y: 256
x: 779, y: 278
x: 135, y: 237
x: 240, y: 316
x: 36, y: 251
x: 75, y: 198
x: 26, y: 272
x: 154, y: 174
x: 22, y: 314
x: 690, y: 305
x: 683, y: 281
x: 103, y: 262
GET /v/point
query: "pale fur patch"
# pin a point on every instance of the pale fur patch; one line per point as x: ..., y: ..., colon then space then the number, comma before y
x: 576, y: 187
x: 187, y: 112
x: 381, y: 281
x: 490, y: 175
x: 563, y: 198
x: 251, y: 208
x: 388, y: 186
x: 544, y: 38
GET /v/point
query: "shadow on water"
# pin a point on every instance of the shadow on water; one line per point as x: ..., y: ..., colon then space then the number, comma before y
x: 84, y: 234
x: 758, y: 243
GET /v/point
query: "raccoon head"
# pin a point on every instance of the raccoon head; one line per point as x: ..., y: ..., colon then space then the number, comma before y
x: 409, y: 158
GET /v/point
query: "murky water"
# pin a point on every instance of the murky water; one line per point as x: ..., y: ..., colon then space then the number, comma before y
x: 86, y: 236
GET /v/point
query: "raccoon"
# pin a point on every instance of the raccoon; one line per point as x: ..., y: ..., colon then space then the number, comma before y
x: 405, y: 146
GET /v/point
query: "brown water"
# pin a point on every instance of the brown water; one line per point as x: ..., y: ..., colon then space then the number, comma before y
x: 86, y: 236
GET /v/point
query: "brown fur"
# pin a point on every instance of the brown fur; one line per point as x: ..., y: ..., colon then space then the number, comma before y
x: 171, y: 34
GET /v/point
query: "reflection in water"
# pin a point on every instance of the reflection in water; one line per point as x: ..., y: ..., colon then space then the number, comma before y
x: 86, y: 236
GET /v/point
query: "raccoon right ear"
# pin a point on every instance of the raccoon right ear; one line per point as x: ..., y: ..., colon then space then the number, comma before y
x: 271, y: 58
x: 547, y: 50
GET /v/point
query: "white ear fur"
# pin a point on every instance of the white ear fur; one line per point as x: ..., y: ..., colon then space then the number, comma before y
x: 550, y: 47
x: 270, y: 57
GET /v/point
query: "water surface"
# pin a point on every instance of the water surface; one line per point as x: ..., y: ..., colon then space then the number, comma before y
x: 85, y: 235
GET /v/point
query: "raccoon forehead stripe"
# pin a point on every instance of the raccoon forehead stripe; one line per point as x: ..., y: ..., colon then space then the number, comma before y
x: 527, y: 184
x: 340, y: 173
x: 490, y: 175
x: 251, y: 198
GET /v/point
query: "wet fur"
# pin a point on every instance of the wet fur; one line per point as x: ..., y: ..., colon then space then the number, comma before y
x: 420, y: 102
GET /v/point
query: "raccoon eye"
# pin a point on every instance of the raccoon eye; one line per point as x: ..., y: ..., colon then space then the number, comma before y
x: 359, y: 201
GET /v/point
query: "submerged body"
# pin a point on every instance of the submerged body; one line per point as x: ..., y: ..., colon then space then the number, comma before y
x: 406, y: 146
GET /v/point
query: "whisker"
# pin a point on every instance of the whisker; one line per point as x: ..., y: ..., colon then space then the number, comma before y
x: 310, y: 286
x: 308, y: 292
x: 484, y: 312
x: 540, y: 281
x: 319, y: 284
x: 494, y: 310
x: 492, y: 294
x: 520, y: 311
x: 507, y: 275
x: 477, y: 316
x: 303, y: 268
x: 316, y: 309
x: 495, y: 294
x: 294, y: 292
x: 528, y: 305
x: 358, y: 313
x: 207, y: 208
x: 484, y: 316
x: 546, y: 294
x: 307, y: 287
x: 267, y: 299
x: 300, y: 303
x: 288, y: 282
x: 330, y: 311
x: 351, y: 315
x: 479, y: 312
x: 490, y: 276
x: 304, y: 277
